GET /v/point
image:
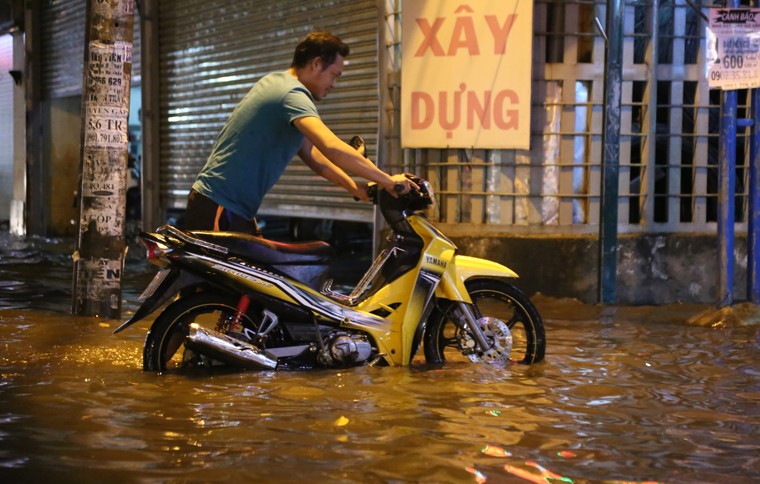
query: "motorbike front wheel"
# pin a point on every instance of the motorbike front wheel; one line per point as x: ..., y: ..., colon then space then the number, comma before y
x: 508, y: 319
x: 165, y: 343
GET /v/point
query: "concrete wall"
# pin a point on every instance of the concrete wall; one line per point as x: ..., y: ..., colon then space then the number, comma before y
x: 61, y: 154
x: 652, y: 269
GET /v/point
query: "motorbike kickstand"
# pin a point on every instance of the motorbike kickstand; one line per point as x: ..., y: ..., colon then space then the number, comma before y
x: 324, y: 355
x: 377, y: 358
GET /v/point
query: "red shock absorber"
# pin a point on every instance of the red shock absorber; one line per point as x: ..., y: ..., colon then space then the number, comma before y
x: 236, y: 324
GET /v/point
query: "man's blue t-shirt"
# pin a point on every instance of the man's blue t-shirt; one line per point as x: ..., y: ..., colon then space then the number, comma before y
x: 255, y: 145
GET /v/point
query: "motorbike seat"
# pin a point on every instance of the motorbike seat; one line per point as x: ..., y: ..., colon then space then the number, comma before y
x: 269, y: 251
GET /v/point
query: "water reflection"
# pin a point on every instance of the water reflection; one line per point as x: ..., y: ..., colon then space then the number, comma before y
x: 36, y: 273
x: 625, y: 395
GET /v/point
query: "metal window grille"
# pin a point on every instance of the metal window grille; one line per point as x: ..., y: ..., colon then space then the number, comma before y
x: 669, y: 130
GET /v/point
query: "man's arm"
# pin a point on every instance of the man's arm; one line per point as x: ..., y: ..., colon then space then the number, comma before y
x: 324, y: 168
x: 341, y: 156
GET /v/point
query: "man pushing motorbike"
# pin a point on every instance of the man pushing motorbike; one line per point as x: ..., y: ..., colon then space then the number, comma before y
x: 276, y: 120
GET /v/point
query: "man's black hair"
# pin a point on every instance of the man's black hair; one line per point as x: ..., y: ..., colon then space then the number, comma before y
x: 319, y: 44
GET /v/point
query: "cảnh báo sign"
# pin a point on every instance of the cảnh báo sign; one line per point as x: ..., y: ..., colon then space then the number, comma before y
x: 733, y: 48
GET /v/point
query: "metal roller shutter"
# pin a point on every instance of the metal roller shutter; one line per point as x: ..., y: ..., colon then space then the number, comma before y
x: 62, y: 31
x: 6, y: 126
x: 213, y: 51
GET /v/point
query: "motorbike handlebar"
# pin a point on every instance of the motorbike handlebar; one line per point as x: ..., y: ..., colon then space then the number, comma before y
x: 415, y: 199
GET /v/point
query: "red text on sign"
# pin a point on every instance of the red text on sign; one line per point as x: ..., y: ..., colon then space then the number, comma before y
x: 463, y: 36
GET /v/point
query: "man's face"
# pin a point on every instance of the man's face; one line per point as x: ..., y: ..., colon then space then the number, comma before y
x: 324, y: 78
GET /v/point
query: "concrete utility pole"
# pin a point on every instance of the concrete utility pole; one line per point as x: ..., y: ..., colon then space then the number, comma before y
x: 99, y: 259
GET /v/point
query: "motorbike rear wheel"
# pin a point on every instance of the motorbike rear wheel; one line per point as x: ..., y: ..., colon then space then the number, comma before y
x: 164, y: 348
x: 509, y: 320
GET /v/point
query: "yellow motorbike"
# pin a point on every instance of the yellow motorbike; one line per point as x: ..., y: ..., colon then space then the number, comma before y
x: 236, y: 299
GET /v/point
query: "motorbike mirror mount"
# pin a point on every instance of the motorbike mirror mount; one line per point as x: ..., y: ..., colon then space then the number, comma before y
x: 357, y: 142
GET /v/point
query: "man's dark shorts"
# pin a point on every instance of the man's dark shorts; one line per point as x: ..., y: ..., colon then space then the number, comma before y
x: 202, y: 213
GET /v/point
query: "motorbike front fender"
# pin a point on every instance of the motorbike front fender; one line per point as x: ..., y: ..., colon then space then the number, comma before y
x: 461, y: 268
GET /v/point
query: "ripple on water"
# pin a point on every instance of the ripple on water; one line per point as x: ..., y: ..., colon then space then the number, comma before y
x: 622, y: 396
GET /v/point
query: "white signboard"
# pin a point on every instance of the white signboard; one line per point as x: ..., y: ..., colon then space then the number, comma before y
x: 107, y: 107
x: 733, y: 48
x: 466, y: 73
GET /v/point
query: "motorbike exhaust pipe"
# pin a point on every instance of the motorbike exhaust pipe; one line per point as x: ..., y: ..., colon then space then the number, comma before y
x: 229, y: 350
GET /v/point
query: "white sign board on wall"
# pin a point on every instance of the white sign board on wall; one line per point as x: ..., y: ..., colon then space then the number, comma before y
x: 466, y: 73
x: 733, y: 48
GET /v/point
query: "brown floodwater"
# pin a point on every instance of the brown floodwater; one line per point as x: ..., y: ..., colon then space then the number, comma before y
x: 626, y: 394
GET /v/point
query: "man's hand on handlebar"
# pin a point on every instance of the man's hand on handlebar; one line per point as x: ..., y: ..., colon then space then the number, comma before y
x: 400, y: 185
x: 361, y: 192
